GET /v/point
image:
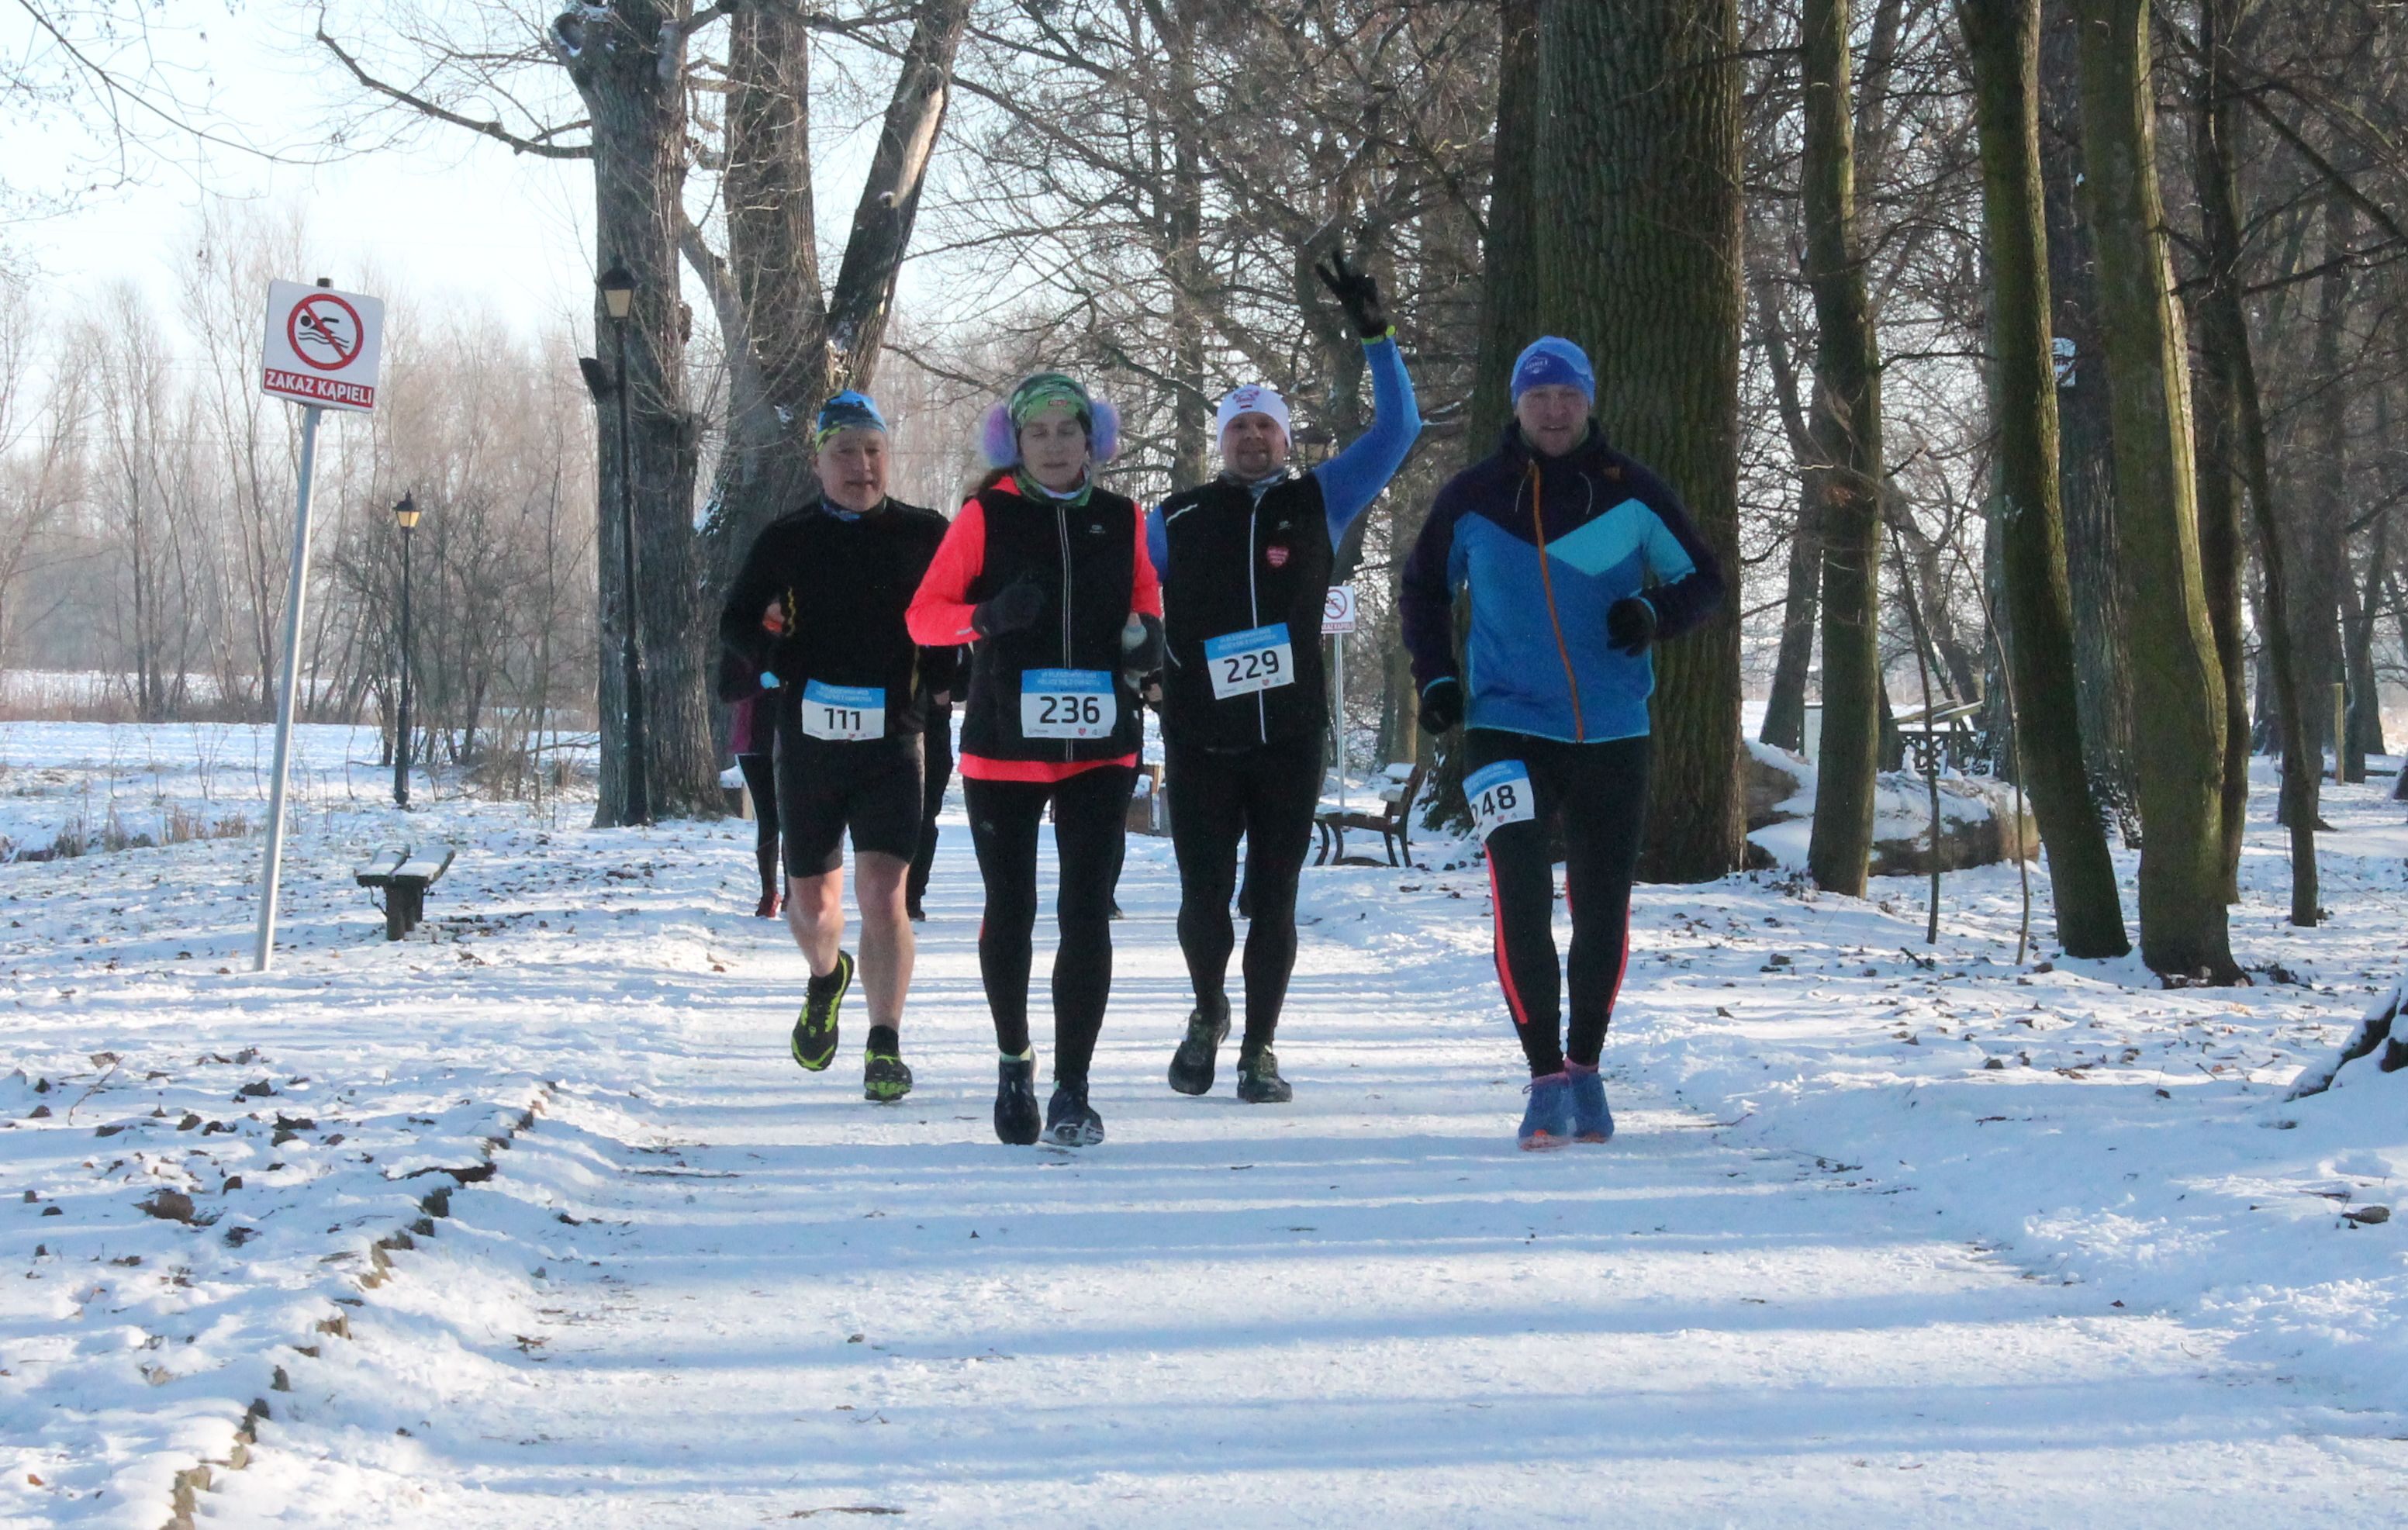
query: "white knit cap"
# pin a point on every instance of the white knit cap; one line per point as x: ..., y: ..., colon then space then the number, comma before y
x: 1254, y: 398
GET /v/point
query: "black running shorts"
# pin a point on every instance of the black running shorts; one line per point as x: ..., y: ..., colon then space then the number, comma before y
x: 827, y: 786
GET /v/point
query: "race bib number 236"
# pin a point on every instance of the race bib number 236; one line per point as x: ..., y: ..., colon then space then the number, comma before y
x: 1066, y: 704
x: 1499, y: 794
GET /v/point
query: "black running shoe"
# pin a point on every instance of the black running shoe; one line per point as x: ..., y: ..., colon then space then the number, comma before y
x: 1015, y: 1102
x: 1258, y: 1079
x: 1190, y: 1066
x: 884, y: 1078
x: 1070, y: 1122
x: 912, y: 910
x: 815, y: 1027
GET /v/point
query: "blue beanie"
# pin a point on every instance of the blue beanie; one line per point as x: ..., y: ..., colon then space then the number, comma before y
x: 1550, y: 359
x: 847, y: 410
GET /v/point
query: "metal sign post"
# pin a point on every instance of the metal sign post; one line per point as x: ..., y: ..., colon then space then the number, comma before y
x: 1337, y: 620
x: 323, y: 350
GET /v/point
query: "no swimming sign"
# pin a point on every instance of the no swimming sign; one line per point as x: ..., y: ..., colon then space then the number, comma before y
x: 321, y: 347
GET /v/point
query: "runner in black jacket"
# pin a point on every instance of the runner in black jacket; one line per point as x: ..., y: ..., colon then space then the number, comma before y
x: 1245, y: 563
x: 817, y: 611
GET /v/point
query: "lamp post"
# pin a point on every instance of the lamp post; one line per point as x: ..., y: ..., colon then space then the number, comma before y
x: 618, y: 285
x: 405, y: 515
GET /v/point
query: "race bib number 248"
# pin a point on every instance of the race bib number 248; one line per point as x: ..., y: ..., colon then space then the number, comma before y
x: 1499, y: 794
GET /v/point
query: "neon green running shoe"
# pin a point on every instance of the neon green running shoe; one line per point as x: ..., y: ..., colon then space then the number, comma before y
x: 815, y: 1028
x: 884, y: 1078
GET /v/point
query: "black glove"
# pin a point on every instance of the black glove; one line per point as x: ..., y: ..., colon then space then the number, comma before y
x: 1007, y: 609
x: 1630, y: 625
x: 1357, y: 291
x: 1143, y: 656
x: 1442, y: 705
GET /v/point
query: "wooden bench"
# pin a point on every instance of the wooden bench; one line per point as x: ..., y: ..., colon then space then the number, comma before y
x: 1402, y: 784
x: 405, y: 882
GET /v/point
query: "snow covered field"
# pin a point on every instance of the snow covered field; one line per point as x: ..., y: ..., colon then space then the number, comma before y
x: 531, y: 1221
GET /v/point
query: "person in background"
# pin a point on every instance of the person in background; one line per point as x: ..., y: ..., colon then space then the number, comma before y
x: 937, y: 767
x: 1047, y: 574
x: 753, y: 740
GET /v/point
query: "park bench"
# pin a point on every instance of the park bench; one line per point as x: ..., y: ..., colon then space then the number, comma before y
x: 404, y: 881
x: 1400, y: 784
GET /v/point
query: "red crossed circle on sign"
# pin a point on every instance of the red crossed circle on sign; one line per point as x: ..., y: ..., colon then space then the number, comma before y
x: 324, y: 332
x: 1333, y: 605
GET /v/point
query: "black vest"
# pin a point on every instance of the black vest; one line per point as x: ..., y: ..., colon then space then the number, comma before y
x: 1083, y: 560
x: 1237, y: 562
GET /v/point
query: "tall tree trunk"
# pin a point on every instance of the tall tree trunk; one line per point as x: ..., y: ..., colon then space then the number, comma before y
x: 638, y: 132
x: 1784, y: 708
x: 2180, y: 756
x: 2085, y: 444
x: 2239, y: 410
x: 1847, y: 423
x: 1509, y: 290
x: 2322, y: 568
x: 2361, y: 601
x: 1640, y: 253
x: 2002, y: 43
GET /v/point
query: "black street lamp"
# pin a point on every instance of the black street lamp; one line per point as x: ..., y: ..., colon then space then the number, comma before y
x: 618, y: 287
x: 405, y: 515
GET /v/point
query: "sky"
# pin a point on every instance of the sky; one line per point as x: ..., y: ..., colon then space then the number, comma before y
x: 451, y: 217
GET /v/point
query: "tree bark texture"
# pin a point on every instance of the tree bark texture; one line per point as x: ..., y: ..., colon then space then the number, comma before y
x: 1638, y: 251
x: 2239, y: 410
x: 1509, y: 292
x: 2085, y: 444
x: 1846, y: 424
x: 2321, y: 568
x: 638, y: 135
x: 2180, y: 754
x: 2003, y: 45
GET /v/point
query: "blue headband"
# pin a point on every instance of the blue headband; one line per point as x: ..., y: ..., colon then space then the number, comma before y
x: 847, y: 410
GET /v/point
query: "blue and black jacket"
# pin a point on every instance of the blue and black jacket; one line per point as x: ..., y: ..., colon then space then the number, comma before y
x: 1545, y: 546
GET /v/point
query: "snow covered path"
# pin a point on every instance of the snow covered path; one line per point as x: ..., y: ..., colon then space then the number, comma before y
x: 706, y: 1290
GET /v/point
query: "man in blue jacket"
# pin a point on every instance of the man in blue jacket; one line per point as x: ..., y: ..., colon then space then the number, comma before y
x: 1576, y: 560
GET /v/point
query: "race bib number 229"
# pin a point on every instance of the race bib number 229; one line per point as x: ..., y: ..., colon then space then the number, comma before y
x: 1499, y: 794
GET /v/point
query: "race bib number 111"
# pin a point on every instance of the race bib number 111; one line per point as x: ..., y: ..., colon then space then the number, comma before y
x: 1066, y: 704
x: 1499, y: 794
x: 848, y: 712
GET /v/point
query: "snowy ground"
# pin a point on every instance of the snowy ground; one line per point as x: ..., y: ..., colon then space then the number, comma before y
x: 1891, y: 1234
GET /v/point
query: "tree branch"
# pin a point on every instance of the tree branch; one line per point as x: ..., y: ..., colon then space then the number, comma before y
x: 494, y: 130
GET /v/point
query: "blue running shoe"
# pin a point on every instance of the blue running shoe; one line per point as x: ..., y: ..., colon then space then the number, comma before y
x: 1548, y: 1121
x: 1592, y: 1117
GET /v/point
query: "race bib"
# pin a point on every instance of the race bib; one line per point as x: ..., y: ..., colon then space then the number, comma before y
x: 1499, y: 794
x: 849, y: 712
x: 1243, y: 663
x: 1066, y: 704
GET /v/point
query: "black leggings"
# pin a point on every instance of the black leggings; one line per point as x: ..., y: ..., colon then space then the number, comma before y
x: 1090, y: 821
x: 760, y: 780
x: 1267, y: 795
x: 936, y: 773
x: 1601, y: 793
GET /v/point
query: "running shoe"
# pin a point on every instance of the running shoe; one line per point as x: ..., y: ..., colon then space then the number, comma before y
x: 1592, y: 1117
x: 1015, y: 1102
x: 884, y: 1077
x: 1258, y: 1079
x: 767, y: 908
x: 1190, y: 1066
x: 1070, y: 1122
x: 815, y: 1027
x: 1548, y: 1121
x: 914, y: 912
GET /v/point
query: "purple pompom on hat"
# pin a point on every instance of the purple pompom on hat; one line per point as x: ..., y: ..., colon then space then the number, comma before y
x: 999, y: 434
